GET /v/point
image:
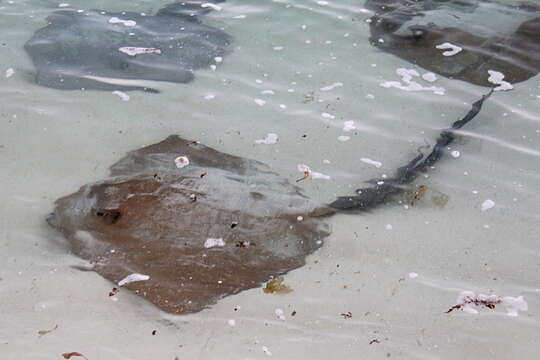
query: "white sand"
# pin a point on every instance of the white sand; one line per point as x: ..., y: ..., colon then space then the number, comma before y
x: 52, y: 142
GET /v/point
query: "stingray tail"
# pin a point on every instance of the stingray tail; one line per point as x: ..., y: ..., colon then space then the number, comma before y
x: 371, y: 197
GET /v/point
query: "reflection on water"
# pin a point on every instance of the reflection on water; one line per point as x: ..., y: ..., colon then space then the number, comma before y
x: 305, y: 71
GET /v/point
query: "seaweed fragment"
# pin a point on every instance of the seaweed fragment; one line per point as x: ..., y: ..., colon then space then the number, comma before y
x: 276, y: 286
x: 488, y: 302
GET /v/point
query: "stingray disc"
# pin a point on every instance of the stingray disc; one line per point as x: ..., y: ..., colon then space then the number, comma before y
x: 461, y: 39
x: 95, y: 49
x: 217, y: 226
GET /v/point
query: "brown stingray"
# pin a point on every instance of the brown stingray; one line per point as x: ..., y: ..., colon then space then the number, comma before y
x: 402, y: 27
x: 153, y: 218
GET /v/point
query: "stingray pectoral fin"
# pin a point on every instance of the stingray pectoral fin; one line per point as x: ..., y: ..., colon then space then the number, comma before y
x: 65, y: 80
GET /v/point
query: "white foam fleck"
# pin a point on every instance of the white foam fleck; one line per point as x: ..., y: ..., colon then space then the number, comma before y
x: 133, y: 50
x: 450, y: 48
x: 408, y: 84
x: 181, y: 161
x: 266, y: 351
x: 214, y: 242
x: 267, y: 92
x: 280, y: 314
x: 300, y: 218
x: 10, y: 72
x: 270, y: 139
x: 322, y: 3
x: 487, y: 204
x: 122, y: 95
x: 62, y: 5
x: 455, y: 153
x: 496, y: 77
x: 231, y: 322
x: 239, y: 17
x: 129, y: 23
x: 133, y: 278
x: 327, y: 115
x: 343, y: 138
x: 388, y: 227
x: 332, y: 86
x: 377, y: 164
x: 211, y: 5
x: 429, y: 77
x: 209, y: 97
x: 349, y: 125
x: 283, y: 106
x: 311, y: 174
x: 259, y: 102
x: 218, y: 59
x: 278, y: 48
x: 413, y: 275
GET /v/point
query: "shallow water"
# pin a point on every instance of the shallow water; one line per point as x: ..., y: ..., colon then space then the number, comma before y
x: 54, y: 141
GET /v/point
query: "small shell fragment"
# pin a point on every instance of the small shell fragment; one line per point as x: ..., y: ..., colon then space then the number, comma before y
x: 181, y: 161
x: 133, y: 278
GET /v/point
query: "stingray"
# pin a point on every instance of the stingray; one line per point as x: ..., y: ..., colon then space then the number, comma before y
x: 95, y: 49
x: 194, y: 224
x: 460, y: 39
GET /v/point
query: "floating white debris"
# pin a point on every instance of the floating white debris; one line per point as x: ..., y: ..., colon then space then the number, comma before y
x: 388, y: 227
x: 322, y: 3
x: 451, y: 49
x: 278, y: 48
x: 115, y: 20
x: 327, y: 115
x: 349, y: 126
x: 308, y: 173
x: 280, y: 314
x: 266, y: 351
x: 455, y: 153
x: 410, y: 85
x: 231, y: 322
x: 10, y: 72
x: 133, y: 51
x: 496, y: 78
x: 214, y: 242
x: 370, y: 96
x: 239, y: 17
x: 487, y: 204
x: 332, y: 86
x: 218, y: 59
x: 270, y: 139
x: 122, y: 95
x: 326, y: 161
x: 300, y: 218
x: 267, y: 92
x: 468, y: 299
x: 133, y: 278
x: 377, y: 164
x: 429, y: 77
x: 209, y: 97
x: 259, y: 102
x: 213, y: 67
x: 181, y: 161
x: 211, y: 5
x: 413, y: 275
x: 62, y: 5
x: 282, y: 106
x: 514, y: 304
x: 343, y: 138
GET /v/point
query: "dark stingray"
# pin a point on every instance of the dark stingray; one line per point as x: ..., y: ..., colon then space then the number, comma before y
x: 100, y: 50
x: 412, y: 29
x: 150, y: 217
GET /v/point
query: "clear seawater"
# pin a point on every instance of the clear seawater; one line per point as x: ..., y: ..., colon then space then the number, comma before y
x: 396, y: 269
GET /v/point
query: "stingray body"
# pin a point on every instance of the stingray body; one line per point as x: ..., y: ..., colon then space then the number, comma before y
x: 153, y: 218
x: 112, y: 51
x: 214, y: 226
x: 488, y: 36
